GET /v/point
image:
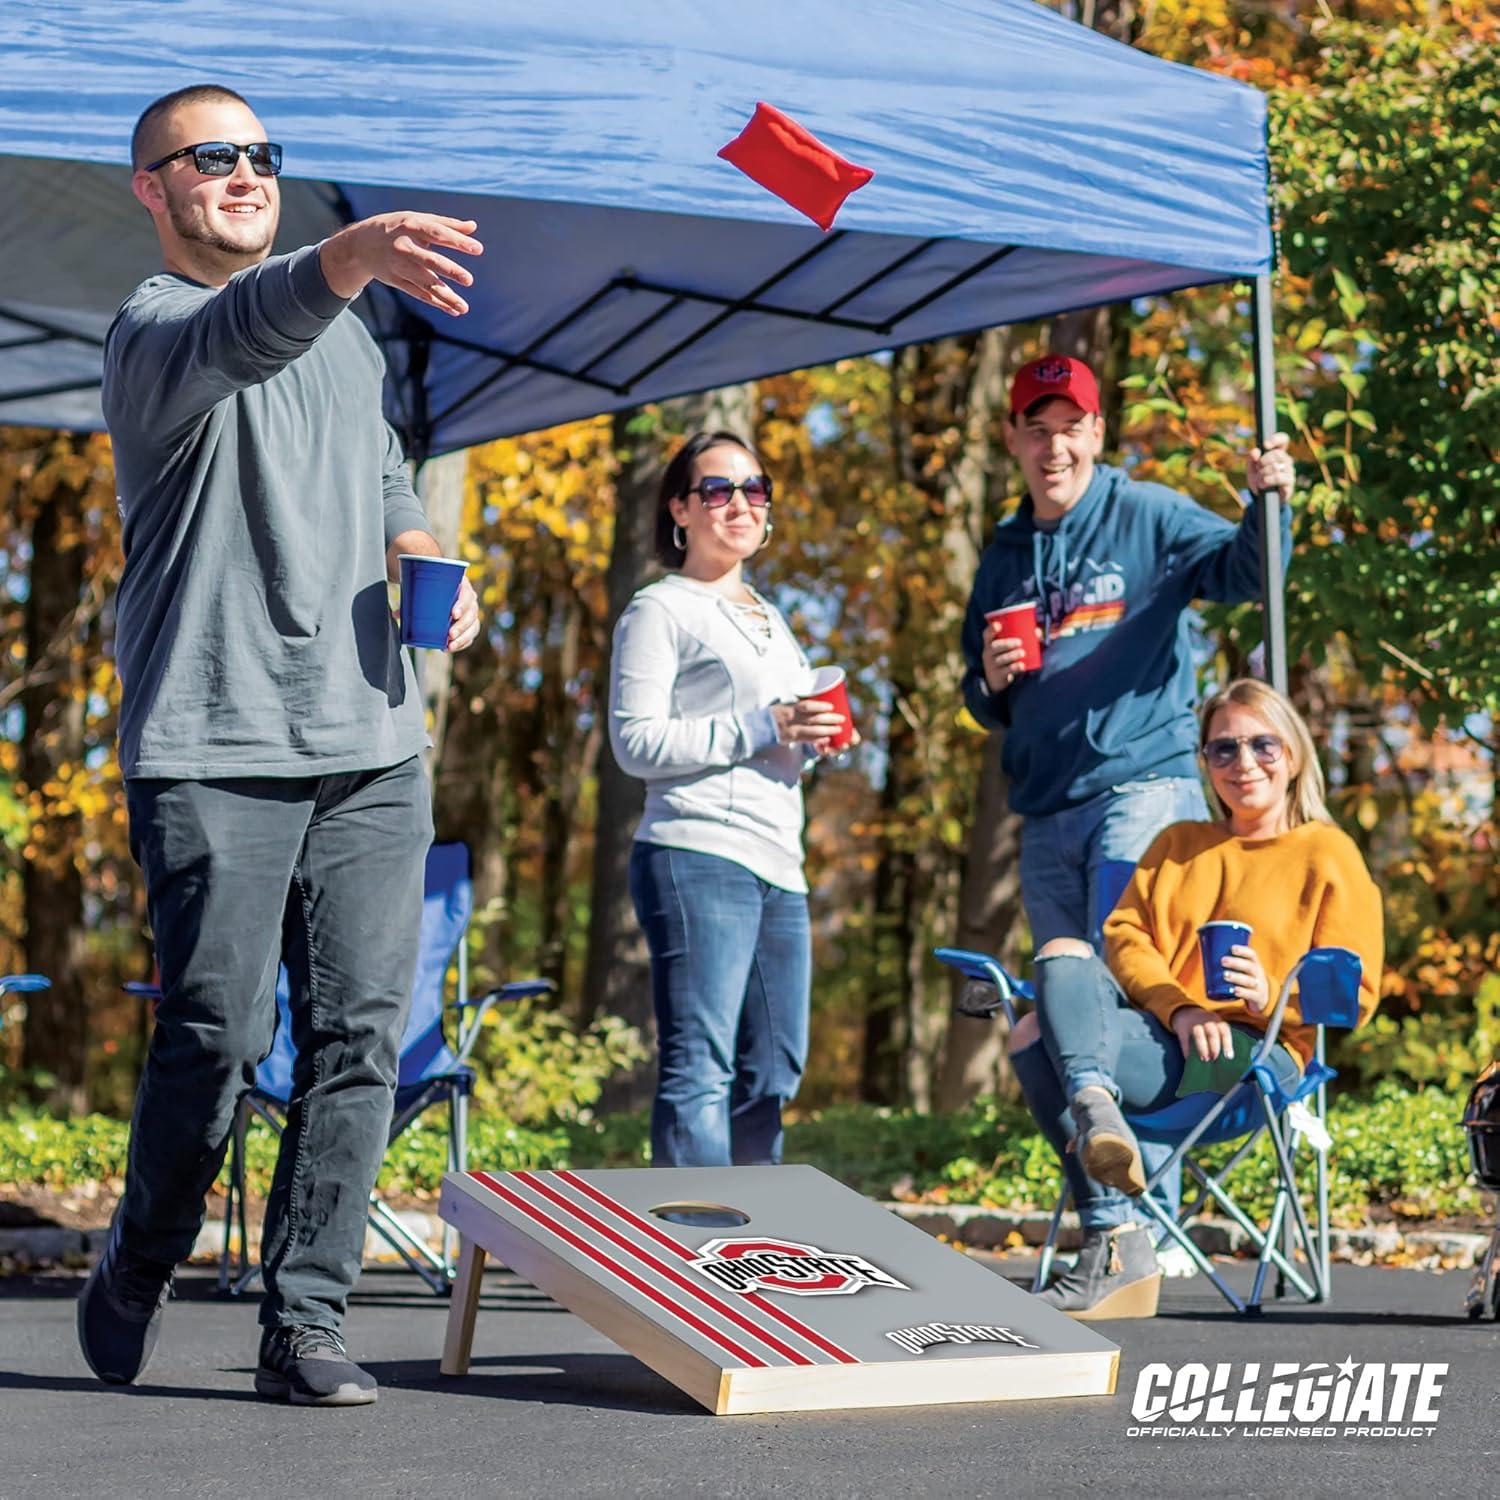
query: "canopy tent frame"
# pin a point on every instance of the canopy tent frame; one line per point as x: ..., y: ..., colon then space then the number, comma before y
x: 45, y: 333
x: 1025, y: 166
x: 1262, y: 359
x: 1263, y: 371
x: 418, y: 435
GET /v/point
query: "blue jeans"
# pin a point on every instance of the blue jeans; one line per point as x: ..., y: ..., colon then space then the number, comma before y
x: 1075, y: 863
x: 1091, y: 1034
x: 731, y: 972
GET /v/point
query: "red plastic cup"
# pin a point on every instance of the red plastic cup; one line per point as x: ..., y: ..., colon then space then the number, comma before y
x: 1018, y: 622
x: 830, y: 687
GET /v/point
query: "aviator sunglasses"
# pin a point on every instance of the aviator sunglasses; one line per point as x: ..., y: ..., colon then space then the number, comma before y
x: 1224, y: 752
x: 219, y: 158
x: 714, y: 490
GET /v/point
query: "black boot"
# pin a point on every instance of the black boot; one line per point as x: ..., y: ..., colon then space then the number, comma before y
x: 1106, y: 1145
x: 1116, y: 1276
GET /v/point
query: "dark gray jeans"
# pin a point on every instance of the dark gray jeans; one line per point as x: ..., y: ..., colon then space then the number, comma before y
x: 325, y: 872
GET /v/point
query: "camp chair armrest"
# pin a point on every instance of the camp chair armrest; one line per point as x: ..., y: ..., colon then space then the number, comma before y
x: 520, y: 989
x: 142, y: 989
x: 23, y: 984
x: 987, y: 970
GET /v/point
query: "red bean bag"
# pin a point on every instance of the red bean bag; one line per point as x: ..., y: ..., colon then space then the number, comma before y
x: 790, y: 161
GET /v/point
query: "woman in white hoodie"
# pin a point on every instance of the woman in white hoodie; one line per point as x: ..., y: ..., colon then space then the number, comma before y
x: 704, y: 682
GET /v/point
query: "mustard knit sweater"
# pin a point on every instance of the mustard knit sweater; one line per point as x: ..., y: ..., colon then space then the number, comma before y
x: 1306, y: 888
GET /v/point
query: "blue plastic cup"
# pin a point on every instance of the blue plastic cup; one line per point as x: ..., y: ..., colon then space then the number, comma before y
x: 429, y: 590
x: 1328, y: 987
x: 1215, y: 939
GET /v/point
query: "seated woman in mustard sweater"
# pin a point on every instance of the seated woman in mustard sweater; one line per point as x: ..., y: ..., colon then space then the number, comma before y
x: 1102, y: 1037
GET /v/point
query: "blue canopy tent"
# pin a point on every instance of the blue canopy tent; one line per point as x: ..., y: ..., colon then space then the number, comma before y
x: 1024, y: 166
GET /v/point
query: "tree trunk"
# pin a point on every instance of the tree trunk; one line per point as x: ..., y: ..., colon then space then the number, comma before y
x: 942, y: 442
x: 990, y: 920
x: 569, y: 757
x: 881, y: 1063
x: 473, y: 801
x: 618, y: 979
x: 55, y: 1038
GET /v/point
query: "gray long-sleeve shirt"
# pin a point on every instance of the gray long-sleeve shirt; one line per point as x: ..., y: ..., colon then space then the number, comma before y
x: 259, y: 487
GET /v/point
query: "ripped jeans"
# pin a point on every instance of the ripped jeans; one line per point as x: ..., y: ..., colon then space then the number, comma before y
x: 1093, y: 1035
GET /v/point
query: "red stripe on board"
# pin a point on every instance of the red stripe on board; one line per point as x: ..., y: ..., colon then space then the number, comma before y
x: 709, y: 1299
x: 786, y: 1319
x: 565, y: 1234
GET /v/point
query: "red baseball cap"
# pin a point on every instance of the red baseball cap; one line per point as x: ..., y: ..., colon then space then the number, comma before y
x: 1054, y: 375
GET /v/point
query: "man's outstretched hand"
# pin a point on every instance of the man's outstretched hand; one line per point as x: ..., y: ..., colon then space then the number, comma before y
x: 403, y: 250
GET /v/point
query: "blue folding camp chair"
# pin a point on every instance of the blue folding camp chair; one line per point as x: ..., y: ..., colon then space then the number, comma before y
x: 1327, y: 980
x: 431, y: 1072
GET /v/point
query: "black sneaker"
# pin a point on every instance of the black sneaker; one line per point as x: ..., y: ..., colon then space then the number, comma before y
x: 119, y: 1313
x: 310, y: 1367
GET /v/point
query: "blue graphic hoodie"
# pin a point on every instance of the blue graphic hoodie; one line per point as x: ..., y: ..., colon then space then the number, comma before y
x: 1113, y: 701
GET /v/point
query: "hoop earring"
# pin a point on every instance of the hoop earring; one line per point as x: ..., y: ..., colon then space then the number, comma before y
x: 765, y: 541
x: 679, y: 537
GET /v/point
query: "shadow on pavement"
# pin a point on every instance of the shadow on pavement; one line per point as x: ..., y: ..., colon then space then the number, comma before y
x: 60, y: 1384
x: 616, y: 1381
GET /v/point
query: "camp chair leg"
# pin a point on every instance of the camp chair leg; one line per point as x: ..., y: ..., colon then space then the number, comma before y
x: 1325, y: 1259
x: 1221, y: 1196
x: 1183, y: 1238
x: 234, y: 1208
x: 407, y: 1245
x: 230, y: 1195
x: 1044, y: 1265
x: 1285, y: 1161
x: 1273, y: 1233
x: 458, y: 1342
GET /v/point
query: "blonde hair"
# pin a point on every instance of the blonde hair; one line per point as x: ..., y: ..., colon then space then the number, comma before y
x: 1305, y: 789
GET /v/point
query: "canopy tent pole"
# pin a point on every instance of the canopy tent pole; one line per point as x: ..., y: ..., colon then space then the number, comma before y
x: 1273, y: 595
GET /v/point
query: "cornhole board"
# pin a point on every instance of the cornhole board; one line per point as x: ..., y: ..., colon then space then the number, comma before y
x: 818, y: 1299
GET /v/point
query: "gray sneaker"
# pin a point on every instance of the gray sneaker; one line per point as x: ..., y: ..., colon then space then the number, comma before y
x: 310, y: 1367
x: 1106, y: 1145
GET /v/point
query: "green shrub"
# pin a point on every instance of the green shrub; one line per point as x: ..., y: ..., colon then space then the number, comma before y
x: 535, y: 1066
x: 58, y: 1153
x: 1447, y: 1043
x: 1397, y: 1150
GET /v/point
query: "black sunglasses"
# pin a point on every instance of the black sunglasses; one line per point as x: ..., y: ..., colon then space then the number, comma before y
x: 1225, y: 752
x: 219, y: 158
x: 714, y: 490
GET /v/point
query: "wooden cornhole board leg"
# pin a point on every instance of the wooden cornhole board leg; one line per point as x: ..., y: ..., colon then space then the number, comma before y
x: 458, y: 1342
x: 787, y: 1291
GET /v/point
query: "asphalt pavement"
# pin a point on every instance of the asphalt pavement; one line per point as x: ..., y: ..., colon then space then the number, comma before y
x: 551, y: 1408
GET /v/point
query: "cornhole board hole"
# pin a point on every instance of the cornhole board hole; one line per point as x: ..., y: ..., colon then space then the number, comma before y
x: 783, y: 1291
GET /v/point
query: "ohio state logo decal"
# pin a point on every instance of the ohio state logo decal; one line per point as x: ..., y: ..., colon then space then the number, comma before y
x: 784, y: 1266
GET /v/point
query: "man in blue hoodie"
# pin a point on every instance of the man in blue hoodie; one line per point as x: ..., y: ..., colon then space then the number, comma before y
x: 1101, y: 744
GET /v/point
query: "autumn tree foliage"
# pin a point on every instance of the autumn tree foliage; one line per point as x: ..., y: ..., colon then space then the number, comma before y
x: 890, y: 473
